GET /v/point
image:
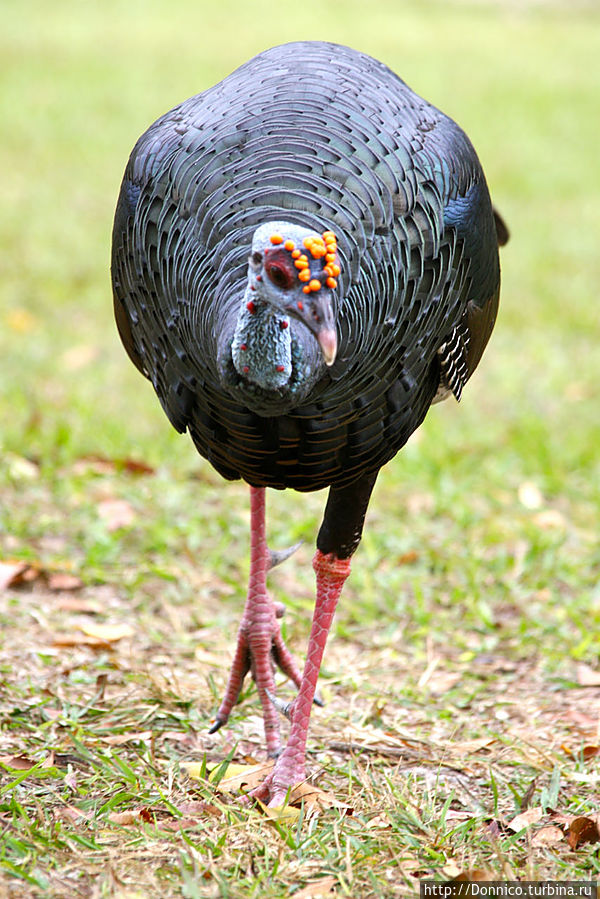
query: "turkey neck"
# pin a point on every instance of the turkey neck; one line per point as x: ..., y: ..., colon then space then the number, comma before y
x: 261, y: 349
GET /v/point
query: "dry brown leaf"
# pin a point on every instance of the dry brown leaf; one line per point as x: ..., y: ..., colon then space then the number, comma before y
x: 60, y: 580
x: 67, y: 640
x: 17, y: 762
x: 469, y: 747
x: 408, y: 558
x: 134, y: 816
x: 454, y: 814
x: 584, y: 752
x: 237, y: 777
x: 587, y: 677
x: 70, y: 603
x: 24, y: 763
x: 243, y: 777
x: 322, y: 887
x: 104, y: 465
x: 474, y: 875
x: 198, y: 807
x: 526, y: 818
x: 116, y: 513
x: 17, y: 573
x: 10, y: 573
x: 379, y: 821
x: 582, y: 830
x: 550, y: 835
x: 315, y: 799
x: 143, y: 736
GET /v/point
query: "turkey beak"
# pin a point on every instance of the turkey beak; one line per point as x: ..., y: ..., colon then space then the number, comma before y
x: 316, y: 311
x: 327, y: 339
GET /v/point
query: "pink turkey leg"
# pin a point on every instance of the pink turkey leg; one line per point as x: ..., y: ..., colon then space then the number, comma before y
x: 259, y: 641
x: 290, y: 768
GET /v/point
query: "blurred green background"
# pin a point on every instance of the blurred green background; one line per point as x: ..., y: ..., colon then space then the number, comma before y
x: 80, y: 81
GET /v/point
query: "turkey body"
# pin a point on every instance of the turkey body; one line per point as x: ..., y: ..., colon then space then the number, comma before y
x: 309, y: 148
x: 329, y: 138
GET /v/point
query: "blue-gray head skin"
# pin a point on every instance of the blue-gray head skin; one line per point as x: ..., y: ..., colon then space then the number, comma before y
x: 292, y: 274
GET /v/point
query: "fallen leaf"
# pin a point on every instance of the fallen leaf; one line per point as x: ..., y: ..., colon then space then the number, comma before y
x: 550, y: 835
x: 454, y: 814
x: 17, y: 762
x: 67, y: 640
x: 582, y: 830
x: 131, y: 817
x: 315, y: 799
x: 469, y: 747
x: 58, y: 580
x: 23, y: 763
x: 104, y: 465
x: 584, y: 752
x: 77, y: 604
x: 17, y: 573
x: 526, y: 819
x: 198, y: 807
x: 322, y: 887
x: 587, y: 677
x: 243, y: 777
x: 116, y: 513
x: 10, y: 573
x: 143, y: 736
x: 108, y: 633
x: 474, y: 875
x: 407, y: 558
x: 379, y: 821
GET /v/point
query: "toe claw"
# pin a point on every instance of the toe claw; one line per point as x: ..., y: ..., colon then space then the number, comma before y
x: 277, y: 556
x: 283, y: 707
x: 318, y: 700
x: 217, y: 724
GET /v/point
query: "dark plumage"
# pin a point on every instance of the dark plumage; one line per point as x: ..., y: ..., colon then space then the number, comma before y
x: 277, y: 382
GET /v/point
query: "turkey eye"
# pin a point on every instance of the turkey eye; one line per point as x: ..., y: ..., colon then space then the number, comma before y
x: 257, y: 258
x: 280, y: 276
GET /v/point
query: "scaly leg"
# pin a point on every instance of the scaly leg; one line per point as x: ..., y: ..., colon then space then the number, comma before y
x: 290, y: 766
x: 338, y: 538
x: 259, y: 643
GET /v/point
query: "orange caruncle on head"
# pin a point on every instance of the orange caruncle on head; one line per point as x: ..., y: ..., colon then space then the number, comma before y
x: 317, y: 247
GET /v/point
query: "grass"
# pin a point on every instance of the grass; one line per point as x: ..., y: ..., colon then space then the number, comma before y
x: 461, y: 683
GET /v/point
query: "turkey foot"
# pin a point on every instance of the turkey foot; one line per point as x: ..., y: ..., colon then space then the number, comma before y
x: 290, y: 767
x: 260, y: 646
